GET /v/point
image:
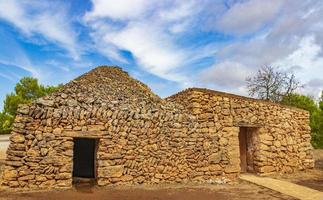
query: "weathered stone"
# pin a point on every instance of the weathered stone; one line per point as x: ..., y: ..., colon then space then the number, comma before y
x: 23, y: 109
x: 126, y: 178
x: 72, y: 103
x: 9, y: 175
x: 27, y: 177
x: 267, y: 169
x: 111, y: 171
x: 213, y: 168
x: 24, y: 172
x: 215, y: 158
x: 43, y: 151
x: 44, y: 102
x: 64, y: 183
x: 57, y: 131
x: 33, y: 153
x: 266, y: 137
x: 223, y: 141
x: 41, y: 178
x: 63, y: 176
x: 96, y: 127
x: 47, y: 184
x: 110, y: 156
x: 14, y: 163
x: 17, y: 138
x: 39, y: 136
x: 232, y: 169
x: 277, y: 144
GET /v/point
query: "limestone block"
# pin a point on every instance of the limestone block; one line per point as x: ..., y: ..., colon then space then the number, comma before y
x: 223, y: 141
x: 17, y: 138
x: 47, y: 184
x: 10, y: 175
x: 33, y: 153
x: 232, y: 169
x: 215, y: 158
x: 267, y: 169
x: 57, y: 131
x: 63, y: 176
x: 96, y: 127
x: 217, y: 167
x: 44, y: 102
x: 27, y: 177
x: 111, y: 171
x: 23, y: 109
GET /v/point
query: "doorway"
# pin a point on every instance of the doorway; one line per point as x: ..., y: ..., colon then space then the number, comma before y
x: 247, y: 148
x: 84, y: 159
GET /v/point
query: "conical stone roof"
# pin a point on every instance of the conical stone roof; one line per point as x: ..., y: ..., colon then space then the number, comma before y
x: 96, y: 95
x: 103, y: 86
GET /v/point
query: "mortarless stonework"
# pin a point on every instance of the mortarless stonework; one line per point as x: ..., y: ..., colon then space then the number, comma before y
x: 189, y: 137
x: 281, y: 134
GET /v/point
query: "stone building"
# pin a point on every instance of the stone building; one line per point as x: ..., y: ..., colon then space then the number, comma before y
x: 110, y: 127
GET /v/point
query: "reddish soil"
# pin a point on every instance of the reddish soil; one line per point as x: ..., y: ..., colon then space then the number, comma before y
x: 239, y: 191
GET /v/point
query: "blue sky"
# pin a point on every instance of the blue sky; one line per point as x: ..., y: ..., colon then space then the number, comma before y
x: 170, y: 45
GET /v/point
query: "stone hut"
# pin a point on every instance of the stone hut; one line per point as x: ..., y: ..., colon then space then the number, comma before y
x: 110, y: 127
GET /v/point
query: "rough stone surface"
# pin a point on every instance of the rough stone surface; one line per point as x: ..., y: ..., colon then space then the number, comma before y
x: 143, y: 139
x: 281, y: 134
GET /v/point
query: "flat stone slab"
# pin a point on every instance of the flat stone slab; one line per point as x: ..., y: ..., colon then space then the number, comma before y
x: 284, y: 187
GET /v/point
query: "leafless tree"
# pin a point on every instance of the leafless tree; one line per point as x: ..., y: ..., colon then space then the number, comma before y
x: 272, y: 83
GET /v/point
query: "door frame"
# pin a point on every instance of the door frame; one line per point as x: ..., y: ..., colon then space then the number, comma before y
x: 247, y: 146
x: 96, y: 147
x: 243, y: 149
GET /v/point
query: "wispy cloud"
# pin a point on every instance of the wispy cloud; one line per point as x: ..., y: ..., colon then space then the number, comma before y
x: 248, y: 17
x: 45, y: 18
x: 148, y: 32
x: 285, y: 34
x: 13, y: 55
x: 210, y: 43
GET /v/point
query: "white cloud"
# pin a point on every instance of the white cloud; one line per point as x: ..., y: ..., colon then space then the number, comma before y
x: 152, y: 49
x: 39, y: 17
x: 118, y: 9
x: 148, y: 33
x: 309, y: 60
x: 292, y: 40
x: 13, y: 55
x: 227, y: 76
x: 248, y: 16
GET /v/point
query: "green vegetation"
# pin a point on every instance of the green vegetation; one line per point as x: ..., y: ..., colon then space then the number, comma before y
x: 316, y: 112
x: 26, y: 90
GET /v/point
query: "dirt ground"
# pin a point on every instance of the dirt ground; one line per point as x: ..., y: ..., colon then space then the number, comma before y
x: 243, y: 190
x: 311, y: 178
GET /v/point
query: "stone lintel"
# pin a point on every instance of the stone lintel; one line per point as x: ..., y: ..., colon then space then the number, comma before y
x: 85, y: 134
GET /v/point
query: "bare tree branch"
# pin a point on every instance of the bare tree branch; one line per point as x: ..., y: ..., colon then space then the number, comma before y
x: 272, y: 84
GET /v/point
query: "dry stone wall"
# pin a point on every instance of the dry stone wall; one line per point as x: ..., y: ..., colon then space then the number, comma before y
x: 142, y: 138
x: 281, y: 134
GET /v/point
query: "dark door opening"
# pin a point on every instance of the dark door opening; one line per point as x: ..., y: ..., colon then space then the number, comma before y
x: 246, y: 144
x: 84, y: 159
